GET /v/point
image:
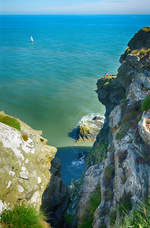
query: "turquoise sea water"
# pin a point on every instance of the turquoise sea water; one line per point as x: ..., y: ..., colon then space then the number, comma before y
x: 50, y: 84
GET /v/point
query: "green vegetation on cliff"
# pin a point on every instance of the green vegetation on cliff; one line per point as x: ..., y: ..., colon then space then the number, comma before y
x: 97, y: 154
x: 23, y: 216
x: 10, y: 121
x: 146, y: 103
x: 90, y: 209
x: 146, y: 29
x: 138, y: 218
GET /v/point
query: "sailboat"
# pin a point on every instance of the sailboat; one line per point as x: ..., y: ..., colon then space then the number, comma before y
x: 31, y: 39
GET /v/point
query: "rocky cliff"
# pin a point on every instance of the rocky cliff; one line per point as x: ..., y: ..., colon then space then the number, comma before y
x: 25, y: 159
x: 119, y: 162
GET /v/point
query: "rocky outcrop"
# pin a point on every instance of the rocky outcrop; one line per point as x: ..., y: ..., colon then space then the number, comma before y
x: 25, y: 159
x: 88, y: 128
x: 122, y: 148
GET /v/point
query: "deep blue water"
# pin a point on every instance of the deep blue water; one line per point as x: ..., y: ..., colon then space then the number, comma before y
x: 50, y: 84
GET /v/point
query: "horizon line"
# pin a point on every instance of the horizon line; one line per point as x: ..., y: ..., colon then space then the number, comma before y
x: 73, y: 14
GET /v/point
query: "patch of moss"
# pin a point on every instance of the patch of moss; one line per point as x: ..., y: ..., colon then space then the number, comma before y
x: 97, y: 154
x: 25, y: 137
x: 141, y: 52
x: 135, y: 52
x: 145, y: 104
x: 146, y: 29
x: 92, y: 206
x: 22, y: 216
x: 10, y: 121
x: 84, y: 131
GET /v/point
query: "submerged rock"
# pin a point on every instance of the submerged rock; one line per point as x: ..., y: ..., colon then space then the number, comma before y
x: 88, y: 128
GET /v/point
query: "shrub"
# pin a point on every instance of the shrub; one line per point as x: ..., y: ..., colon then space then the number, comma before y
x: 10, y: 121
x: 146, y: 103
x: 22, y: 216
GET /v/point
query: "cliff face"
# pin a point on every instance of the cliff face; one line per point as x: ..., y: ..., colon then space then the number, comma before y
x: 25, y: 159
x: 119, y: 163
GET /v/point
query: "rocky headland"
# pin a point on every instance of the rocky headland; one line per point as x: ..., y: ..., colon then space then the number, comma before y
x: 118, y: 166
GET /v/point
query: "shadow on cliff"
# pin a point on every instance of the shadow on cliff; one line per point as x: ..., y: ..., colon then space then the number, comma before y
x: 68, y: 164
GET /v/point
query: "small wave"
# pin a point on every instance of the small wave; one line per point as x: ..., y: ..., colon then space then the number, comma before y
x: 78, y: 163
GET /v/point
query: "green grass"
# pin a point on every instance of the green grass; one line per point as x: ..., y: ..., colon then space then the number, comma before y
x: 10, y: 121
x: 146, y: 103
x: 22, y: 217
x: 92, y: 206
x: 138, y: 218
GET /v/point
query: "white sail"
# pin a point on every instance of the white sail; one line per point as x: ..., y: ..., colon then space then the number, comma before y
x: 31, y: 39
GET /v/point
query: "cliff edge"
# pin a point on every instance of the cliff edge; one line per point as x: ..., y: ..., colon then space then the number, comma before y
x: 25, y: 160
x: 119, y: 162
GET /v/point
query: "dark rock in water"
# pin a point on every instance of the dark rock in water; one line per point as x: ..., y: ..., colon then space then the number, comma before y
x: 88, y: 128
x: 82, y: 155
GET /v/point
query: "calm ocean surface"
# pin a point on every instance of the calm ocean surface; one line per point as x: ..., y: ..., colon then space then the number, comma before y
x: 50, y: 84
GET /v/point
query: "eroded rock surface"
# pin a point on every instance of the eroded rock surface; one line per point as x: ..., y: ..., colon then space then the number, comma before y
x: 25, y: 160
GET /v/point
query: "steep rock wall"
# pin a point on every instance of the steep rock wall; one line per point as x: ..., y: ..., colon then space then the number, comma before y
x: 123, y: 145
